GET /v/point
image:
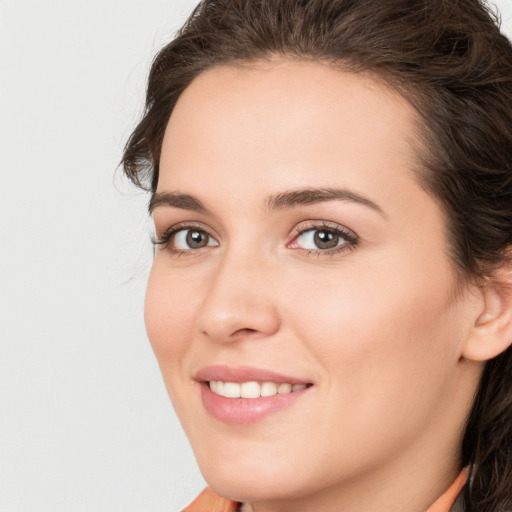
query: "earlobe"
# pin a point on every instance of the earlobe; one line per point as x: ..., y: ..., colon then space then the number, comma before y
x: 492, y: 332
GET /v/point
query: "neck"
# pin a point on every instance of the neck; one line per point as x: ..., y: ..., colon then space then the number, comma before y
x: 402, y: 487
x: 426, y: 468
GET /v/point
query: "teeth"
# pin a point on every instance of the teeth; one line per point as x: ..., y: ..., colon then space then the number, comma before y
x: 252, y: 389
x: 268, y: 389
x: 284, y: 388
x: 231, y: 390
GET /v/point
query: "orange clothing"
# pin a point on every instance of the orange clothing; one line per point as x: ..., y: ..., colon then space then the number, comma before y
x: 208, y: 501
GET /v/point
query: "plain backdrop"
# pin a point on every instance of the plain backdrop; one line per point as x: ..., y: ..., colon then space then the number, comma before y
x: 85, y: 422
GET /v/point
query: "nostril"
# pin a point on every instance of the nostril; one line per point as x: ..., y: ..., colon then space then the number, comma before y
x: 244, y: 331
x: 226, y: 317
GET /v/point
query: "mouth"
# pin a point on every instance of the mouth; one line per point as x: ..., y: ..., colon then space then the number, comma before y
x: 253, y: 389
x: 245, y: 395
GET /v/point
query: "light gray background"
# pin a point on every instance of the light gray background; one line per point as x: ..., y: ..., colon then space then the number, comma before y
x: 85, y: 423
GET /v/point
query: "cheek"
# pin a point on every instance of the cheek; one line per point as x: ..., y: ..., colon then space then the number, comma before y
x: 386, y: 340
x: 363, y: 308
x: 168, y: 314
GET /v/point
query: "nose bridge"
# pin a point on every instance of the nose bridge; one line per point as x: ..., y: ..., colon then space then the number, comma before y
x: 238, y: 301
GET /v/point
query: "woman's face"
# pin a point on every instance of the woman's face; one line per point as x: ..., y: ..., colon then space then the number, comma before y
x: 298, y: 248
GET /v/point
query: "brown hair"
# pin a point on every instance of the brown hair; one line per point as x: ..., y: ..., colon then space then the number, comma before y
x: 449, y: 59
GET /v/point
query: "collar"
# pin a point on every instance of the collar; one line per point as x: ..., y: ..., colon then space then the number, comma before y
x: 448, y: 502
x: 208, y: 501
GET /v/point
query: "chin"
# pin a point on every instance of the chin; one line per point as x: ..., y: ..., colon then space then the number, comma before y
x: 250, y: 482
x: 251, y: 490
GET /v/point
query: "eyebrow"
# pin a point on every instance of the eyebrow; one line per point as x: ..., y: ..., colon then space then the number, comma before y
x: 281, y: 201
x: 175, y: 200
x: 309, y: 196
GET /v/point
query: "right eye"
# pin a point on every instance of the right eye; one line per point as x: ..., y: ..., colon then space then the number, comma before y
x: 185, y: 239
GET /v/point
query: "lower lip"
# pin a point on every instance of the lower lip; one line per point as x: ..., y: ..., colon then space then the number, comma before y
x: 244, y: 411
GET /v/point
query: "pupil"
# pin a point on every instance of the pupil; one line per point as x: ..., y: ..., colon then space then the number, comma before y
x: 196, y: 239
x: 326, y: 239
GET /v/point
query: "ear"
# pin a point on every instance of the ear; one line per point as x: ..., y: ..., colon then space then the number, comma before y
x: 492, y: 332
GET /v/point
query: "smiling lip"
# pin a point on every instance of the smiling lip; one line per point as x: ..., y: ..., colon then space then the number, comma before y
x: 243, y: 374
x: 245, y: 411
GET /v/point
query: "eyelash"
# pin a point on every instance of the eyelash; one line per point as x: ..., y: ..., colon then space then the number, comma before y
x: 165, y: 238
x: 351, y: 239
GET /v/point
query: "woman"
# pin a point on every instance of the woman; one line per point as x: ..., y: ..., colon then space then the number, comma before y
x: 330, y: 300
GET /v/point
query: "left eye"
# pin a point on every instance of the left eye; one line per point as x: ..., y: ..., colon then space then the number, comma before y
x: 325, y: 238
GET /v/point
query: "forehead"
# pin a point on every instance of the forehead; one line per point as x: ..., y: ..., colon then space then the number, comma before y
x: 288, y: 106
x: 290, y: 122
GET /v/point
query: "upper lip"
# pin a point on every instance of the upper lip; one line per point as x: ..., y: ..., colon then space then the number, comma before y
x: 244, y: 374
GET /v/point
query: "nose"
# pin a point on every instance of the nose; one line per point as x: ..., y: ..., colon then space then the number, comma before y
x: 239, y: 302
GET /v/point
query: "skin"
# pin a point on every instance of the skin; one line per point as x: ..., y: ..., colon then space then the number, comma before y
x: 377, y: 327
